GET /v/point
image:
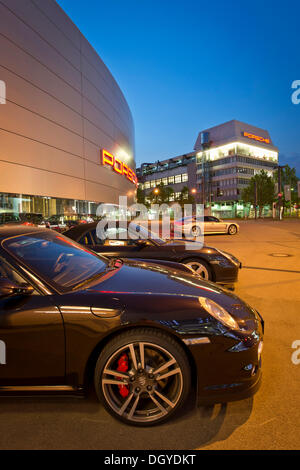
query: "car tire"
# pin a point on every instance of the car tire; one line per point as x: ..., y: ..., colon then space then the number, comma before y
x: 232, y: 229
x: 200, y: 267
x: 151, y: 392
x: 195, y: 231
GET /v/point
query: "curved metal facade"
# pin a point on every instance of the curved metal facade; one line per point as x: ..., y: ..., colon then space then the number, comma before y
x: 62, y: 107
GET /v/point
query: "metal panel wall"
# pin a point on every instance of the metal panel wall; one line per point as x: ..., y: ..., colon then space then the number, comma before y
x: 62, y: 107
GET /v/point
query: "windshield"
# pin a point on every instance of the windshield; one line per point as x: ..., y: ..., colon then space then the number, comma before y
x: 55, y: 258
x: 138, y: 231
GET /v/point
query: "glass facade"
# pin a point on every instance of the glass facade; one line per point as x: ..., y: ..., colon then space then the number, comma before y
x: 223, y: 172
x: 237, y: 148
x: 47, y: 206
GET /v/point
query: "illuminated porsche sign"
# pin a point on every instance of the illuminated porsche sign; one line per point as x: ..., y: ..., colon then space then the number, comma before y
x: 256, y: 137
x: 107, y: 159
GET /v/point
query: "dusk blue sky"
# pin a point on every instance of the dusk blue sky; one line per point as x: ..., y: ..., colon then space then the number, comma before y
x: 186, y: 65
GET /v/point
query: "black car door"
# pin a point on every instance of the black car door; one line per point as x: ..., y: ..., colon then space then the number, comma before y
x: 114, y: 246
x: 32, y: 342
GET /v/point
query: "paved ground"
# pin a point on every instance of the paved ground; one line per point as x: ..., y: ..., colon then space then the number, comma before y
x: 269, y: 421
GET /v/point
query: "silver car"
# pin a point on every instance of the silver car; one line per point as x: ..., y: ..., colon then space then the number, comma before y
x: 194, y: 227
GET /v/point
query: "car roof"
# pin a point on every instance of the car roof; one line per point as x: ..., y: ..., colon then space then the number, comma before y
x: 7, y: 231
x: 82, y: 228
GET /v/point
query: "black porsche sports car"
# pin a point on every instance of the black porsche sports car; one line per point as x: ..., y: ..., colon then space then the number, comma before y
x: 142, y: 332
x: 209, y: 263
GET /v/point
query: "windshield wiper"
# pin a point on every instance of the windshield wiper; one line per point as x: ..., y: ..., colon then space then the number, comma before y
x: 112, y: 265
x: 90, y: 279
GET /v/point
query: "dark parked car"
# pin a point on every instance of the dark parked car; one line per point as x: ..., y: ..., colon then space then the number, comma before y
x: 142, y: 333
x: 12, y: 218
x: 210, y: 263
x: 61, y: 222
x: 9, y: 218
x: 32, y: 217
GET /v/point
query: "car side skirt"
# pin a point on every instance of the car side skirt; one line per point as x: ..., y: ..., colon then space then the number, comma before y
x: 41, y: 390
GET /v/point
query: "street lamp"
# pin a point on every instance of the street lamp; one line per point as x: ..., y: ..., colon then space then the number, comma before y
x: 280, y: 208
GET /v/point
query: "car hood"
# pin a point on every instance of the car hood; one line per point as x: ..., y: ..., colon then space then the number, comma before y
x: 189, y: 245
x: 134, y: 278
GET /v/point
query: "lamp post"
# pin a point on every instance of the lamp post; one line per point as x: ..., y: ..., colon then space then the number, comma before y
x: 156, y: 192
x: 255, y: 199
x: 280, y: 167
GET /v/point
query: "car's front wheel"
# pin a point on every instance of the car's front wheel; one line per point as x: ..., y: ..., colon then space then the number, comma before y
x: 200, y: 267
x: 142, y: 376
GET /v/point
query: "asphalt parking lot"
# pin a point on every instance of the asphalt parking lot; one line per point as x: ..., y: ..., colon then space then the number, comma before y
x: 270, y: 420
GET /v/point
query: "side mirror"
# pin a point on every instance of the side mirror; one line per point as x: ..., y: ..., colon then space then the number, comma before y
x: 9, y: 288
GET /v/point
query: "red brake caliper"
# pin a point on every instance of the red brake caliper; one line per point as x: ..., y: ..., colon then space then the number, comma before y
x: 123, y: 367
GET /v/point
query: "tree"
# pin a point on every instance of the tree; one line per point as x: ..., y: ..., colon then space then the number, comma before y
x: 159, y: 195
x: 141, y: 197
x: 288, y: 177
x: 265, y: 189
x: 170, y: 194
x: 185, y: 197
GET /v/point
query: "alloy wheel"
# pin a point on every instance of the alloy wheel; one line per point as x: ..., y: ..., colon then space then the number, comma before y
x: 199, y: 269
x: 232, y: 230
x: 142, y: 382
x: 195, y: 231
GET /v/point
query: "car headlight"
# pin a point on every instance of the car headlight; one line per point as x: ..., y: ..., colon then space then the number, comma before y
x: 229, y: 256
x: 218, y: 312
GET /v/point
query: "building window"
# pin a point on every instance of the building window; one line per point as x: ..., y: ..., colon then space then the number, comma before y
x: 147, y: 185
x: 158, y: 182
x: 178, y: 179
x: 171, y: 179
x: 165, y: 181
x: 184, y: 177
x: 152, y: 184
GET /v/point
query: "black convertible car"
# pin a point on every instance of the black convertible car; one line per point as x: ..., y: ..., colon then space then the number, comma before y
x: 209, y: 263
x: 142, y: 332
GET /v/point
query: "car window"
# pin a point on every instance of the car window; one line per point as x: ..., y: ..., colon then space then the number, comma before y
x: 11, y: 218
x: 115, y: 236
x: 145, y: 234
x: 96, y: 240
x: 9, y: 273
x: 56, y: 258
x: 86, y: 239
